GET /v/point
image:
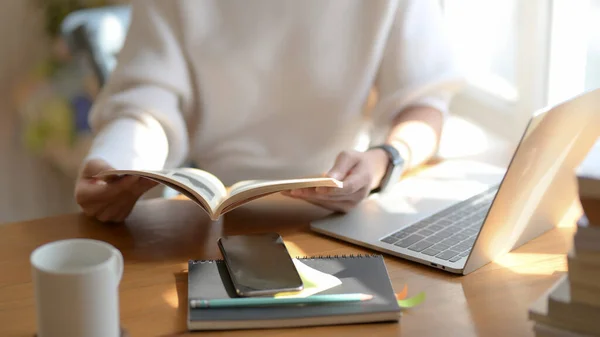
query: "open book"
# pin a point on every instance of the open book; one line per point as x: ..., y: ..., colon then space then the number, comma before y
x: 209, y: 192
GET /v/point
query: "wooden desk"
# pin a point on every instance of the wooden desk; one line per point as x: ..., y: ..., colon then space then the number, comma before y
x: 161, y: 235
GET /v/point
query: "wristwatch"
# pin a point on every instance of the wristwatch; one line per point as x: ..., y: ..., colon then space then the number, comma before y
x: 394, y: 169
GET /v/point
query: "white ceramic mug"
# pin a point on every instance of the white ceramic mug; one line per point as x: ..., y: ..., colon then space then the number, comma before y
x: 76, y: 283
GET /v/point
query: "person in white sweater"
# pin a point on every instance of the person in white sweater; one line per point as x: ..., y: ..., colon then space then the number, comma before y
x: 270, y: 89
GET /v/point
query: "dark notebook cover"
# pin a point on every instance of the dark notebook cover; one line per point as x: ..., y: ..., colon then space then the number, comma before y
x: 209, y: 279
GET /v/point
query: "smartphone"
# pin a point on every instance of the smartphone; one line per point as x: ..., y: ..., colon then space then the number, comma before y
x: 259, y: 264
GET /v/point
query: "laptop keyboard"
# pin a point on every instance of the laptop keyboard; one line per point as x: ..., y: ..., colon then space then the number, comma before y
x: 449, y: 234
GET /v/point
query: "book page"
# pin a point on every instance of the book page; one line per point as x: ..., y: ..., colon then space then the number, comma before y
x: 246, y: 191
x: 244, y: 186
x: 203, y: 183
x: 248, y: 185
x: 204, y: 187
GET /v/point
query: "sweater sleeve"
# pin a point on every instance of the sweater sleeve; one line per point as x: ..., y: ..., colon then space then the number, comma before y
x: 139, y: 118
x: 418, y: 65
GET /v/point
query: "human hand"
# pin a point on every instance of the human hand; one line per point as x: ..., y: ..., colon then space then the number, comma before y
x: 359, y: 171
x: 108, y: 199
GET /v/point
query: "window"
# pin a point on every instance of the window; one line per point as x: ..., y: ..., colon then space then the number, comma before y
x: 575, y: 49
x: 485, y: 35
x: 521, y: 56
x: 504, y: 47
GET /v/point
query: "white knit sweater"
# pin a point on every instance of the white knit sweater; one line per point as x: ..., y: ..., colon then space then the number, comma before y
x: 266, y: 88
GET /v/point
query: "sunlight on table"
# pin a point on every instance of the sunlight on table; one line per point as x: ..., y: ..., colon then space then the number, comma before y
x: 171, y: 297
x: 540, y: 263
x: 569, y: 220
x: 294, y: 249
x: 533, y: 263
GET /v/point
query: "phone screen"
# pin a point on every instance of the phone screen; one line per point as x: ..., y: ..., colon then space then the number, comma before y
x: 259, y: 264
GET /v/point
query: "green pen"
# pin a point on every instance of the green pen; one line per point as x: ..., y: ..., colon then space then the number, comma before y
x: 272, y: 301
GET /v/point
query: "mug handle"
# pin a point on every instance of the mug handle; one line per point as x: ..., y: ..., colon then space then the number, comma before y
x: 120, y: 265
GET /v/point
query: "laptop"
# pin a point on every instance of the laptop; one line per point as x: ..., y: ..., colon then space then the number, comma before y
x: 459, y: 215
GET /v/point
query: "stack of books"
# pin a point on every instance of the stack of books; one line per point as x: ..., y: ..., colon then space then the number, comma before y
x: 571, y: 307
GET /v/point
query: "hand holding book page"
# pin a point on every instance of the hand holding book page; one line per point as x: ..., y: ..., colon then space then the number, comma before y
x: 215, y: 198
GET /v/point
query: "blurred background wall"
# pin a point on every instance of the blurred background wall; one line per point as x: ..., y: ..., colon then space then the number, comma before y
x: 44, y: 97
x: 29, y: 186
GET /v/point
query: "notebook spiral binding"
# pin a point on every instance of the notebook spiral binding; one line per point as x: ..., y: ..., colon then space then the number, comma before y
x: 305, y: 257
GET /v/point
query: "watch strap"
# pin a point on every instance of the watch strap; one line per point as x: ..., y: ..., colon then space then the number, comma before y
x: 395, y: 162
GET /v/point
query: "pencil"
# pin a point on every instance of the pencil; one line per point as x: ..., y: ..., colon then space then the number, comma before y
x: 271, y: 301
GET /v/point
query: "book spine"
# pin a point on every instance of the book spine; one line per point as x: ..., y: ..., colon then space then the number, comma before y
x: 583, y: 273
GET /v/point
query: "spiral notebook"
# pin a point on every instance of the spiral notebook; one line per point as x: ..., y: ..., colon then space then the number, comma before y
x: 209, y: 279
